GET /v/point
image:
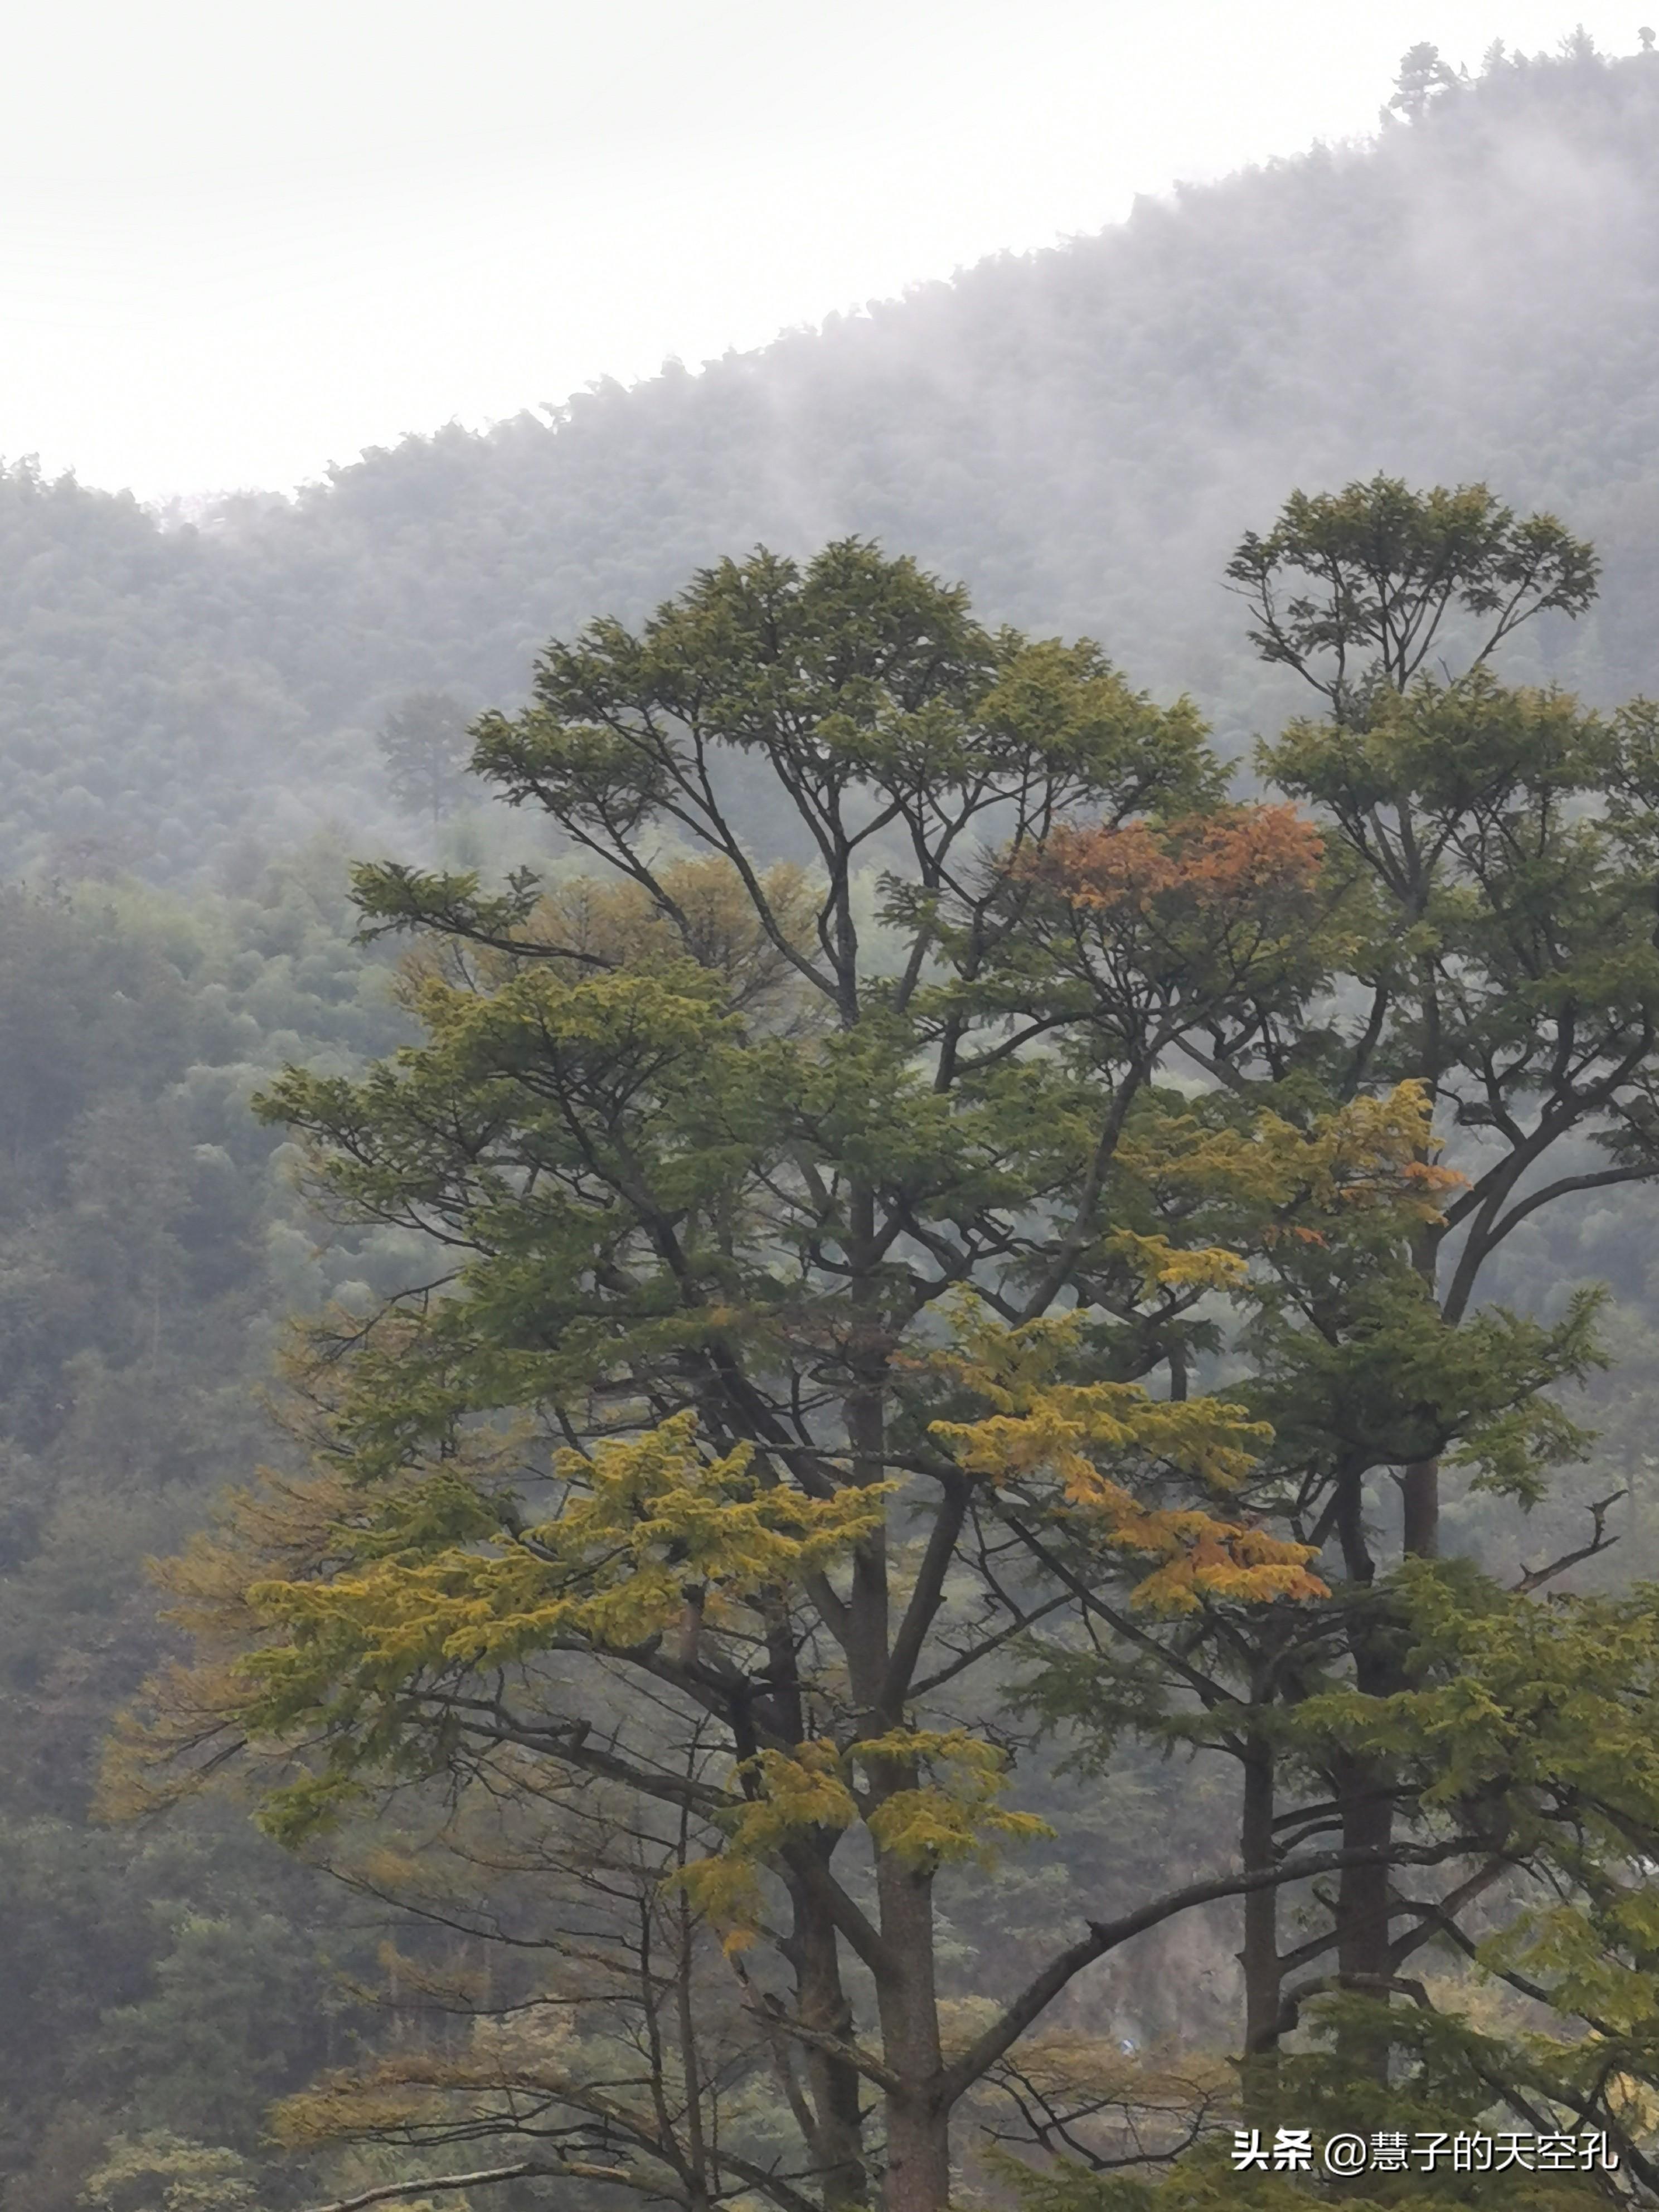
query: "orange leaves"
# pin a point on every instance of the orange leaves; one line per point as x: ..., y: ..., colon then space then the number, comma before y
x: 1230, y: 1562
x: 1180, y: 921
x: 1219, y: 861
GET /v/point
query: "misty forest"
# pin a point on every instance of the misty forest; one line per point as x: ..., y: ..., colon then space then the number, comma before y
x: 829, y: 1330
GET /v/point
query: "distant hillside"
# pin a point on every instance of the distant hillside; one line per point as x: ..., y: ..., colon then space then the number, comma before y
x: 1081, y: 434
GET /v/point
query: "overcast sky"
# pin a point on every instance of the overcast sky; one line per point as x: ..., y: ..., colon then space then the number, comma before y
x: 240, y: 242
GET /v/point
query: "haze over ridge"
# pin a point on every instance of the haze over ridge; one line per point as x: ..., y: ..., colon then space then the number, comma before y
x: 201, y: 716
x: 1080, y: 434
x: 240, y: 248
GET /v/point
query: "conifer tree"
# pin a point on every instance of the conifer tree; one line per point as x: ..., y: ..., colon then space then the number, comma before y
x: 1508, y: 963
x: 785, y: 1229
x: 823, y: 1267
x: 1422, y: 75
x: 1490, y: 856
x: 423, y: 744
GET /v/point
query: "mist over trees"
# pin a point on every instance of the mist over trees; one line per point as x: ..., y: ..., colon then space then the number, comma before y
x: 1080, y: 434
x: 952, y: 1149
x: 424, y: 745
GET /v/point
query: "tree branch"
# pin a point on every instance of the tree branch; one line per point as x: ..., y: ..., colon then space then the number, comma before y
x: 562, y: 2169
x: 1108, y: 1935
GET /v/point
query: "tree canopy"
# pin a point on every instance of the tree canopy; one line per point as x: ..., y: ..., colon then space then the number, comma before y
x: 900, y: 1328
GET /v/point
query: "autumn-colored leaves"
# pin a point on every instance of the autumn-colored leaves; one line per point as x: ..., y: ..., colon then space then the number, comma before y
x: 1213, y: 862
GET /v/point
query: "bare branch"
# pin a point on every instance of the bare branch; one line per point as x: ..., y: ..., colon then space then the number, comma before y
x: 561, y: 2169
x: 1109, y: 1935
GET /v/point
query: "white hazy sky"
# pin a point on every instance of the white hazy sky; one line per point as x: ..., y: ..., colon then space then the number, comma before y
x: 239, y: 242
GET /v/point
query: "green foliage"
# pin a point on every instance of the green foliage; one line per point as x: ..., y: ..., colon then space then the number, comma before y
x: 1379, y: 567
x: 1422, y: 75
x: 1492, y: 925
x: 167, y: 695
x: 747, y: 1297
x: 148, y: 1241
x: 162, y: 2173
x: 423, y: 744
x: 753, y: 1303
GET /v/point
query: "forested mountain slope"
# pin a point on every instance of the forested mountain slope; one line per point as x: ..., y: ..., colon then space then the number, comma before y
x: 1081, y: 435
x: 150, y: 1242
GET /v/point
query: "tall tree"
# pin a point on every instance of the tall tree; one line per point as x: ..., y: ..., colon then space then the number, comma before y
x: 424, y: 746
x: 1422, y: 75
x: 1491, y: 853
x: 788, y: 1232
x: 823, y: 1264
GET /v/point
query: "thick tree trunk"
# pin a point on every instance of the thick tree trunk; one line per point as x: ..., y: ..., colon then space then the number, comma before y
x: 1260, y: 1956
x: 918, y: 2175
x: 1363, y: 1896
x: 832, y: 2082
x: 1364, y: 1788
x: 918, y: 2156
x: 1362, y: 1907
x: 918, y: 2120
x: 1420, y: 1490
x: 1365, y: 1785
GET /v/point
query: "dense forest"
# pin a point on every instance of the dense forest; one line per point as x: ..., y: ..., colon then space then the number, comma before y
x: 206, y: 719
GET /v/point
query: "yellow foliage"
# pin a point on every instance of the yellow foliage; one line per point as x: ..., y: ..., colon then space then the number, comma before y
x: 955, y: 1815
x: 1369, y: 1153
x: 714, y: 922
x: 346, y: 2105
x: 193, y: 1713
x: 646, y: 1519
x: 931, y: 1799
x: 1162, y: 1265
x: 598, y: 923
x: 306, y: 1581
x: 1071, y: 1434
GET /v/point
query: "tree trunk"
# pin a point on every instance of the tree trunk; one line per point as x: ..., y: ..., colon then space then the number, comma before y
x: 918, y: 2156
x: 1419, y: 1483
x: 1260, y: 1956
x: 1420, y: 1490
x: 1363, y: 1896
x: 832, y: 2082
x: 1364, y: 1788
x: 918, y: 2175
x: 918, y: 2121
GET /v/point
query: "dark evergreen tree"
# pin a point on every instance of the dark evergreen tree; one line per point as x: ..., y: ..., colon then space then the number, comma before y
x: 424, y: 745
